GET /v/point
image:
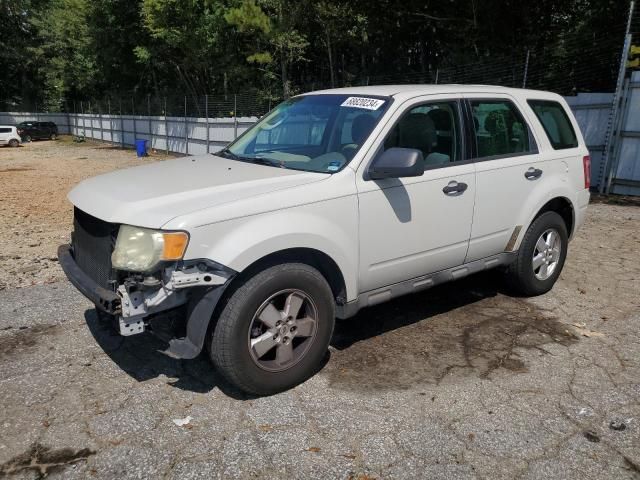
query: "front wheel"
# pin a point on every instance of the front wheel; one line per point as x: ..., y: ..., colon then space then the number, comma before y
x: 27, y: 138
x: 274, y: 330
x: 53, y: 136
x: 541, y: 256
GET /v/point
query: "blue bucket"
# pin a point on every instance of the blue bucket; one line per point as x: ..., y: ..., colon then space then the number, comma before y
x: 141, y: 148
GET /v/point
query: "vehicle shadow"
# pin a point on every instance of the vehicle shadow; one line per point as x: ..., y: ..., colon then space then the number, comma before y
x: 465, y: 329
x: 141, y: 357
x: 374, y: 321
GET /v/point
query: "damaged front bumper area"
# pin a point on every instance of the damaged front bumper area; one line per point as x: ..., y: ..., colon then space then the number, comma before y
x: 136, y: 298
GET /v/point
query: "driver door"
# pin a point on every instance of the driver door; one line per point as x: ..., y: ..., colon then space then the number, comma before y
x: 414, y: 226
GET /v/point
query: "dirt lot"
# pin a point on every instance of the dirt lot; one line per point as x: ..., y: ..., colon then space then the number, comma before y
x: 461, y: 381
x: 34, y: 213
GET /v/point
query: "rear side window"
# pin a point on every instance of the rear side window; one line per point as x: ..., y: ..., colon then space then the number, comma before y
x: 556, y: 123
x: 5, y: 130
x: 500, y: 129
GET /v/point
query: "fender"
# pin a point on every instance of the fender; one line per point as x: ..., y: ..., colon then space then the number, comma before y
x: 529, y: 211
x: 240, y: 242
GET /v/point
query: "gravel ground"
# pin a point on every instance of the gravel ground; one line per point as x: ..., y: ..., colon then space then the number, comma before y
x: 460, y: 381
x: 34, y: 213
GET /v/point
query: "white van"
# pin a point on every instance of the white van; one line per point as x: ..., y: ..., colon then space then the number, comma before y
x: 334, y: 201
x: 9, y: 136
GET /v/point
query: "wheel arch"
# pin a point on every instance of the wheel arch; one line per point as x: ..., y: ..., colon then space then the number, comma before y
x: 563, y: 207
x: 558, y: 203
x: 317, y: 259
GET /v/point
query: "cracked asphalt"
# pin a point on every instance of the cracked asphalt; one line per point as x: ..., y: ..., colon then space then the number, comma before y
x: 462, y: 381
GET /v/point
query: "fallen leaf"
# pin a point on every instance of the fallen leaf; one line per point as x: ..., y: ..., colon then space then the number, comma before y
x: 265, y: 427
x: 313, y: 449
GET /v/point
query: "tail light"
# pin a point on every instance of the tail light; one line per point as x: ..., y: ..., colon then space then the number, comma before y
x: 586, y: 165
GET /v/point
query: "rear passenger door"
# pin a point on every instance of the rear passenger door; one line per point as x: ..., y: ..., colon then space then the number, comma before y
x: 509, y: 169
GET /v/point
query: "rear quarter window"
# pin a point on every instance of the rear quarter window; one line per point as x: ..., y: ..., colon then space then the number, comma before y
x: 556, y: 123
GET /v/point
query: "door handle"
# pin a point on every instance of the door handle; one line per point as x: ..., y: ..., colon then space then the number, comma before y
x: 533, y: 173
x: 454, y: 188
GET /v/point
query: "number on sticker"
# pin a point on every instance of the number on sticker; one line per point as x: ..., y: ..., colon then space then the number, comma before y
x: 363, y: 102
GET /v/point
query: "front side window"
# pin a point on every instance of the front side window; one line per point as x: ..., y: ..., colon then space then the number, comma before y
x: 319, y: 133
x: 499, y: 128
x: 432, y: 128
x: 556, y: 123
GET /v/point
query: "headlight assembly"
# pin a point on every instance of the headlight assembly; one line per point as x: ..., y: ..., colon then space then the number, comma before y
x: 140, y: 249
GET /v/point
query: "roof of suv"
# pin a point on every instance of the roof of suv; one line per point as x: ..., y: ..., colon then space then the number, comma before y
x: 408, y: 91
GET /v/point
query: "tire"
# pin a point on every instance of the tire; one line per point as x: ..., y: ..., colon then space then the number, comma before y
x: 14, y: 143
x: 538, y: 266
x: 27, y: 138
x: 273, y: 294
x: 53, y: 136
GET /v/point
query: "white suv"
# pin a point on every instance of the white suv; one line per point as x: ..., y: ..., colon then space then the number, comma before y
x: 9, y: 136
x: 334, y: 201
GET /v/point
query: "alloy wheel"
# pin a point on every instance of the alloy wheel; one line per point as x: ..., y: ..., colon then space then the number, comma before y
x: 282, y: 330
x: 546, y: 254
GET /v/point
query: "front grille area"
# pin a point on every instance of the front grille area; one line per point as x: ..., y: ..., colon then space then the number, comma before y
x: 93, y: 241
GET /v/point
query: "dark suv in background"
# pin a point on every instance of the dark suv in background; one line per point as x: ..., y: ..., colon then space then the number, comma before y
x: 37, y: 131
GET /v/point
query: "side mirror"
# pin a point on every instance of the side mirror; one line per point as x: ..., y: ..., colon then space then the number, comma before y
x: 397, y: 163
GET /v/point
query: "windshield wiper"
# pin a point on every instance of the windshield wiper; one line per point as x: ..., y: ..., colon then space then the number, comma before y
x: 226, y: 153
x: 266, y: 161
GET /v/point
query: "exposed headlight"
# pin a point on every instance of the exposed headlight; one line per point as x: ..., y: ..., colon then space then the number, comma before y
x: 140, y: 249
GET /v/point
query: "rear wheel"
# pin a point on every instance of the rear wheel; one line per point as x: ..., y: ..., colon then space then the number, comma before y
x: 274, y: 330
x: 541, y: 256
x: 13, y: 142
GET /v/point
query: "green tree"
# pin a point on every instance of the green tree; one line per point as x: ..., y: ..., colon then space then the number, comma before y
x: 18, y: 71
x: 66, y: 59
x: 273, y: 22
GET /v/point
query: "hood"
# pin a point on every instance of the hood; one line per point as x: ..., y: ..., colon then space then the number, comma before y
x: 151, y: 195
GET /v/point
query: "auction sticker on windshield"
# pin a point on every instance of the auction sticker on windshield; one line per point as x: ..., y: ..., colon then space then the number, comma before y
x: 363, y: 102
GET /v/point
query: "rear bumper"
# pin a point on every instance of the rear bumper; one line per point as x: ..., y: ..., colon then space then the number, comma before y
x: 104, y: 299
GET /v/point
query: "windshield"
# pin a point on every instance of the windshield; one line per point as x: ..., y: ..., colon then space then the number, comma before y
x: 317, y: 133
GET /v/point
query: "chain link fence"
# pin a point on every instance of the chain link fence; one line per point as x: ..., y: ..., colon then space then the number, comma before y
x: 565, y: 64
x: 196, y: 123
